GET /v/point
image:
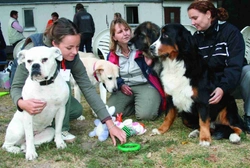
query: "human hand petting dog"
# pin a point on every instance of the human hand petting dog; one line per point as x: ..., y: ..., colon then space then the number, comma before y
x: 148, y: 61
x: 126, y: 90
x: 32, y: 106
x: 216, y: 96
x: 114, y: 131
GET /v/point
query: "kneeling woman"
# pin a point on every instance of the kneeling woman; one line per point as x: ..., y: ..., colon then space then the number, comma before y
x: 140, y: 92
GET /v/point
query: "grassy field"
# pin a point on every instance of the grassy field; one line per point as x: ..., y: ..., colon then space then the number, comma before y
x: 173, y: 149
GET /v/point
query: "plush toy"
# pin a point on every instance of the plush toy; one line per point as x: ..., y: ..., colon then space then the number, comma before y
x: 131, y: 128
x: 101, y: 130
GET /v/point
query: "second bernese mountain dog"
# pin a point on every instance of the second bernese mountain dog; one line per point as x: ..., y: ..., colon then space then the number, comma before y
x: 187, y: 84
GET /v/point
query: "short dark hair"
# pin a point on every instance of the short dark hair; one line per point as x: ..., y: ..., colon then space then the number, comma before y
x: 13, y: 12
x: 118, y: 15
x: 55, y: 14
x: 79, y: 6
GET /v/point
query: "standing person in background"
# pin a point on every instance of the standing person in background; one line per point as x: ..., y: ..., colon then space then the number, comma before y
x: 15, y: 30
x: 3, y: 56
x: 221, y: 45
x: 54, y: 17
x: 117, y: 15
x: 86, y: 25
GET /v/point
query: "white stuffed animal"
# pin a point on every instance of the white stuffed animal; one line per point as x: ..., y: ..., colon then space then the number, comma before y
x: 101, y: 130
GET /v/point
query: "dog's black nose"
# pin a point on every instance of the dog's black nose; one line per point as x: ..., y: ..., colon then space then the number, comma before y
x: 35, y: 70
x: 35, y: 66
x: 115, y: 90
x: 152, y: 48
x: 130, y: 43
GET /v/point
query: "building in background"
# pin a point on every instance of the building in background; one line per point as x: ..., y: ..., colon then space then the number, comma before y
x: 33, y: 14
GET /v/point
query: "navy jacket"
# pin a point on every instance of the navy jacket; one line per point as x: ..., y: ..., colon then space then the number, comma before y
x: 84, y: 22
x: 227, y: 57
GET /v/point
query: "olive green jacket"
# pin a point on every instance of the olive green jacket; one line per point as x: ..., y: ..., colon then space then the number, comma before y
x: 80, y: 75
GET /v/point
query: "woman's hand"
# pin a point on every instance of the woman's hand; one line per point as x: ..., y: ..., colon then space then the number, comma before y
x: 216, y: 96
x: 148, y: 61
x: 126, y: 90
x: 114, y: 131
x: 32, y: 106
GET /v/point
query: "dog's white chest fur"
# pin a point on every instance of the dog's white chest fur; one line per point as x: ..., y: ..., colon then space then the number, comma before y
x: 55, y: 94
x: 176, y: 84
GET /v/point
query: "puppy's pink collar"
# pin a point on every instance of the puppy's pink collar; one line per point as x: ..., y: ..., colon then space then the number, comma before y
x: 95, y: 73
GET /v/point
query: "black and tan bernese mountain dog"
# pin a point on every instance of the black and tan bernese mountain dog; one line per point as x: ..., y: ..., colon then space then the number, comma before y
x: 187, y: 84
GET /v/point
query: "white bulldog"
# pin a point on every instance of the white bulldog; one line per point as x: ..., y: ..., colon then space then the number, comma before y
x: 44, y: 83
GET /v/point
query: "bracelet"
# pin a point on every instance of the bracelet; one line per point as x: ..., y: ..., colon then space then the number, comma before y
x: 111, y: 127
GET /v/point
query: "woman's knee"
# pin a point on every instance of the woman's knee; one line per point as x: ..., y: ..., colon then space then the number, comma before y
x: 79, y: 111
x: 76, y: 109
x: 147, y: 114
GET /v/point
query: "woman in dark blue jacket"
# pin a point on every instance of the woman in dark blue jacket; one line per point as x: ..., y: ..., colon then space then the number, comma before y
x: 222, y: 46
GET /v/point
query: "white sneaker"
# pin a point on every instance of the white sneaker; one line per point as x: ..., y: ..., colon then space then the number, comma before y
x: 81, y: 118
x: 68, y: 137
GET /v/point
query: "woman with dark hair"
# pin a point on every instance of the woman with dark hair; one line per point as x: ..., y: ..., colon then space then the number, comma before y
x: 222, y: 46
x: 54, y: 17
x: 117, y: 15
x: 65, y: 35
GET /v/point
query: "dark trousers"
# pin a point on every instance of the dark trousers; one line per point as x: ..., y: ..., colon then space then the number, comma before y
x: 86, y: 41
x: 14, y: 44
x: 3, y: 57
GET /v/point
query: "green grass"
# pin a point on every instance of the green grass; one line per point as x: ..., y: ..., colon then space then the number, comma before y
x: 173, y: 149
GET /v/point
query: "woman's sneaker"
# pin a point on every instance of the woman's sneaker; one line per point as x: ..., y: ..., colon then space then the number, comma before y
x: 68, y: 137
x: 81, y: 118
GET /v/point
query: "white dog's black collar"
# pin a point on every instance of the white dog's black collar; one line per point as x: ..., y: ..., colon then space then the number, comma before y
x: 51, y: 80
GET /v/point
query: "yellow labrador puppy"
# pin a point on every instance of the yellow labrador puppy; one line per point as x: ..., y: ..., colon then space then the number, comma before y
x: 100, y: 72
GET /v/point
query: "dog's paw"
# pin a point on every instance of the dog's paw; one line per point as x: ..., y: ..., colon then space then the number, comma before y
x: 12, y: 149
x: 23, y: 147
x: 60, y: 144
x: 156, y: 132
x: 234, y: 138
x: 194, y: 134
x: 204, y: 143
x: 31, y: 155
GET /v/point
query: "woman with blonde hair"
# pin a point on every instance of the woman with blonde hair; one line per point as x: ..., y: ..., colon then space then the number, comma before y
x: 139, y: 92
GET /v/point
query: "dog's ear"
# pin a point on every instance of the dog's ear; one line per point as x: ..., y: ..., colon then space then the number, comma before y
x: 57, y: 53
x: 99, y: 69
x: 21, y: 56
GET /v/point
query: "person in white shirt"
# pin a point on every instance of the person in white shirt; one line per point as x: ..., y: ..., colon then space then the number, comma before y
x: 15, y: 30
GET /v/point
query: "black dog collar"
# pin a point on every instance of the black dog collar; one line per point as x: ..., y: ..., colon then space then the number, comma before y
x: 51, y: 80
